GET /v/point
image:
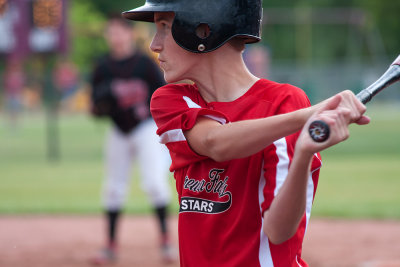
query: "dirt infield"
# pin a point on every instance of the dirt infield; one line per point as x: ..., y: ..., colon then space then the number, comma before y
x: 68, y: 241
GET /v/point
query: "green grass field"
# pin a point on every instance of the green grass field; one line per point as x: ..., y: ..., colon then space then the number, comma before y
x: 31, y: 183
x: 359, y: 178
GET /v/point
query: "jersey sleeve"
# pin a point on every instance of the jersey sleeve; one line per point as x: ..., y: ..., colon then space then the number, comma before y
x: 278, y: 156
x: 175, y: 109
x: 103, y: 102
x: 293, y: 99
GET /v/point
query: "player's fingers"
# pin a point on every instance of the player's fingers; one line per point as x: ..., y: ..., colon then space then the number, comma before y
x: 360, y: 106
x: 332, y: 103
x: 349, y: 100
x: 363, y: 120
x: 338, y: 121
x: 307, y: 144
x: 342, y: 123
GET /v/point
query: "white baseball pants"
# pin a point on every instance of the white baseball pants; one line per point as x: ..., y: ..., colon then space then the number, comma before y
x: 142, y: 145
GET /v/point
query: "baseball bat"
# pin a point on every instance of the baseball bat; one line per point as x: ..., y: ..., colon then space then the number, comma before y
x: 319, y: 130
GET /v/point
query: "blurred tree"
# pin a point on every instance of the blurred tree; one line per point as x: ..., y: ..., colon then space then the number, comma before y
x: 385, y: 15
x: 331, y: 30
x: 86, y: 30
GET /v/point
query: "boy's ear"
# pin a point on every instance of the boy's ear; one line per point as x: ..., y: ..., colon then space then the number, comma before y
x: 203, y: 31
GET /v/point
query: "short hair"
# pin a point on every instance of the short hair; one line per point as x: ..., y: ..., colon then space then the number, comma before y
x: 117, y: 17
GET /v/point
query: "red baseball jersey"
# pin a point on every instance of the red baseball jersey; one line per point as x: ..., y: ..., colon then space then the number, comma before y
x: 222, y: 203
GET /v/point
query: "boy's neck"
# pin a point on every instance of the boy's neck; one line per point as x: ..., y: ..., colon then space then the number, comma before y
x: 226, y: 85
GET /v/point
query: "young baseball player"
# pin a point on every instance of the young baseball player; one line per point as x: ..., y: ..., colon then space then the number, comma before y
x: 123, y: 82
x: 246, y: 172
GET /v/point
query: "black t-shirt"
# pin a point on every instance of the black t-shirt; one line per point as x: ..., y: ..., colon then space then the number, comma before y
x: 143, y: 77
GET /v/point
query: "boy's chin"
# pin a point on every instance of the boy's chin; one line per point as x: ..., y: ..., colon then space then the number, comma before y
x: 170, y: 79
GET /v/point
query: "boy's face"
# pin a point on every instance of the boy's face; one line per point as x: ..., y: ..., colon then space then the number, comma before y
x: 118, y: 35
x: 175, y: 61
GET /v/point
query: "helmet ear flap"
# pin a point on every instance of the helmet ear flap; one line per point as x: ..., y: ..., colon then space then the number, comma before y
x: 203, y: 32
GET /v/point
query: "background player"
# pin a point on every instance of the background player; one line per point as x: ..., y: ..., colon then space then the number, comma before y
x: 123, y: 82
x: 245, y: 175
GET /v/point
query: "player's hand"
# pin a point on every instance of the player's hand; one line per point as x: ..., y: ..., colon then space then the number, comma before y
x: 338, y: 119
x: 357, y: 109
x: 349, y: 101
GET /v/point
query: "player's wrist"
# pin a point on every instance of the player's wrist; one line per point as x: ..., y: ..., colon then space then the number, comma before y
x: 303, y: 150
x: 304, y: 114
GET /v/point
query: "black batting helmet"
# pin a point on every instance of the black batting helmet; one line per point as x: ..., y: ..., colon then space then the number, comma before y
x: 224, y: 19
